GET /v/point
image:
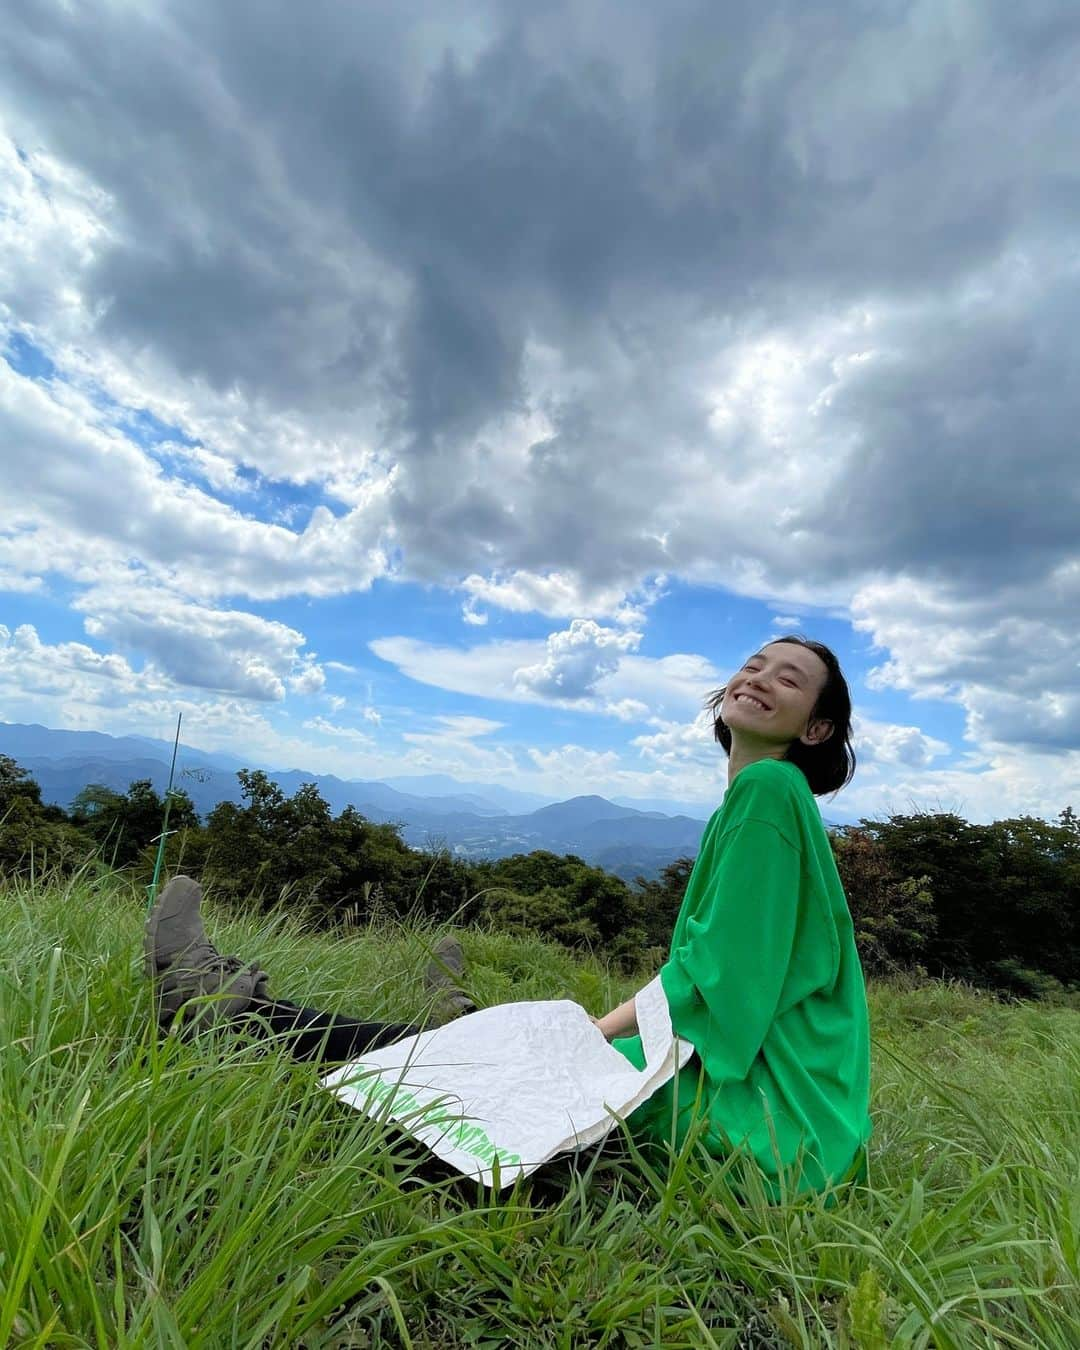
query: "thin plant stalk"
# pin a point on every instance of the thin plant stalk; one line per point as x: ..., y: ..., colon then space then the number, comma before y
x: 151, y: 890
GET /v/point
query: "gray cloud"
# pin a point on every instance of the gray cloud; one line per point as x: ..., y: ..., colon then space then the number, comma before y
x: 966, y: 442
x: 545, y: 175
x: 537, y: 254
x: 77, y: 499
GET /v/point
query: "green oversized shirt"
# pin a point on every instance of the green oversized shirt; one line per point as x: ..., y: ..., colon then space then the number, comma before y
x: 765, y: 982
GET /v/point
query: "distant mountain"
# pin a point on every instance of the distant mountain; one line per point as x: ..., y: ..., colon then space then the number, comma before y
x: 472, y: 819
x: 22, y: 741
x: 442, y: 785
x: 579, y: 812
x: 670, y: 807
x: 682, y: 833
x: 386, y: 802
x: 61, y: 780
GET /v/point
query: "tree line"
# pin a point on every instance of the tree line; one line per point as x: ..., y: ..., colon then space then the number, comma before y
x: 998, y: 905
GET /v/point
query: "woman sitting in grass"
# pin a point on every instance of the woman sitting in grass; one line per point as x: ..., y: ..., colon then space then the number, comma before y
x: 763, y: 978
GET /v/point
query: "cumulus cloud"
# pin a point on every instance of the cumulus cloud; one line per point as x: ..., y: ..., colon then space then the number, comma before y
x: 70, y: 684
x: 37, y: 667
x: 980, y: 786
x: 486, y: 670
x: 888, y: 743
x: 225, y: 650
x: 669, y: 686
x: 572, y: 768
x: 629, y: 710
x: 336, y: 732
x: 679, y: 743
x: 308, y: 676
x: 1008, y: 654
x: 60, y: 511
x: 451, y: 747
x: 574, y: 764
x: 545, y: 304
x: 576, y: 659
x: 558, y: 594
x: 763, y: 153
x: 656, y: 688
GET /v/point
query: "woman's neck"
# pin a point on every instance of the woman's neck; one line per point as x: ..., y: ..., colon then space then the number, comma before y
x: 742, y: 754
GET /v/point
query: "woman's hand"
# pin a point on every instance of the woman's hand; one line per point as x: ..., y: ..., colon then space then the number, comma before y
x: 621, y: 1021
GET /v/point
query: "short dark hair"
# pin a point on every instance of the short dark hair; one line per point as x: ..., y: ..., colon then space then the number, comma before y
x: 830, y: 765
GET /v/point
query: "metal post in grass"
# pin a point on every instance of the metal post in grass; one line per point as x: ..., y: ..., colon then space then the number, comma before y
x: 151, y: 890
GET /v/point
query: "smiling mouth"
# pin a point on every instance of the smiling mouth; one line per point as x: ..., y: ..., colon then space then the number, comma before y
x: 754, y: 702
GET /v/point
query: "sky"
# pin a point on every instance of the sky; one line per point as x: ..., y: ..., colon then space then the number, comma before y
x: 470, y: 387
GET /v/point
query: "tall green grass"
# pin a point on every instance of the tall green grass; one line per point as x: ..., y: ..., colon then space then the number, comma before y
x: 208, y: 1193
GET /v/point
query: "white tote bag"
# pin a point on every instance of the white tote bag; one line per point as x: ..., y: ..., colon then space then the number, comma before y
x: 499, y: 1092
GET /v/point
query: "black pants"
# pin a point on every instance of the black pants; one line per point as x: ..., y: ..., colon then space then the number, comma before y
x: 330, y: 1038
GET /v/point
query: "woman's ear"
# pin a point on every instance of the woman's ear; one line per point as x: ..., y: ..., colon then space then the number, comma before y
x: 817, y: 732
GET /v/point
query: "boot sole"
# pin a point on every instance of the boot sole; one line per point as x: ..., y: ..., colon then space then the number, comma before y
x: 165, y: 907
x: 443, y: 980
x: 446, y: 967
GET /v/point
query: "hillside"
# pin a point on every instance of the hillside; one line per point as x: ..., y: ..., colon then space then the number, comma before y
x: 474, y: 820
x: 208, y: 1193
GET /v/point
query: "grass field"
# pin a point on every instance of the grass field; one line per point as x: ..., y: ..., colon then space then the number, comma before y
x: 209, y: 1194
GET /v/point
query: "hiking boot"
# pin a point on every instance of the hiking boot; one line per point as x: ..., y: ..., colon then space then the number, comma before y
x: 184, y: 964
x: 217, y: 989
x: 174, y: 928
x: 442, y: 979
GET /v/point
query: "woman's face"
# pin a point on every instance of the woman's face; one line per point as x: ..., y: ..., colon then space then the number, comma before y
x: 772, y: 698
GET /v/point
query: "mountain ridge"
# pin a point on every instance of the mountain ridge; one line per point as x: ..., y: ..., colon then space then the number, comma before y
x: 467, y: 821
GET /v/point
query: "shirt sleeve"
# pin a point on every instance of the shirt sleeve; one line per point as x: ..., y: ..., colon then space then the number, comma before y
x: 727, y: 969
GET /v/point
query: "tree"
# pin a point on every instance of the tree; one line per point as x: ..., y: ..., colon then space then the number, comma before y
x: 125, y: 824
x: 548, y: 912
x: 274, y: 846
x: 32, y: 834
x: 16, y: 785
x: 572, y: 902
x: 375, y: 864
x: 443, y: 886
x: 659, y: 901
x: 1006, y: 896
x: 893, y: 916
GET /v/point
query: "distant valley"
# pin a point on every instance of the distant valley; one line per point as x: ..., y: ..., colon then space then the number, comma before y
x: 476, y: 820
